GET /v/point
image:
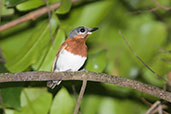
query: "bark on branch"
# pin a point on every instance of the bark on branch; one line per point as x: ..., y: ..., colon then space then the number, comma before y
x: 90, y: 76
x: 31, y: 16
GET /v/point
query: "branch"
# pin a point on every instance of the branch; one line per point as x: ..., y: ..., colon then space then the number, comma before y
x: 90, y: 76
x: 160, y: 6
x: 83, y: 87
x: 31, y: 16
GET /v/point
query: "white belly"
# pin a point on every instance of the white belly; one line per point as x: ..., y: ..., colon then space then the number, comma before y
x: 68, y: 62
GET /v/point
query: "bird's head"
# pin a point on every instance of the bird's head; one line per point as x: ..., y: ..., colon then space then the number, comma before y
x: 81, y: 32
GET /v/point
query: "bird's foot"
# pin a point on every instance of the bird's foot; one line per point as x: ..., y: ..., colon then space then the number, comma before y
x: 53, y: 83
x: 84, y: 69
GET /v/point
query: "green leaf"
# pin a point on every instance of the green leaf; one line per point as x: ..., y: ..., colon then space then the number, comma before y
x: 63, y: 103
x: 45, y: 52
x: 30, y: 4
x: 40, y: 105
x: 48, y: 61
x: 88, y: 15
x: 31, y: 94
x: 11, y: 97
x: 92, y: 14
x: 116, y: 106
x: 64, y: 7
x: 31, y: 52
x: 107, y: 106
x: 90, y: 104
x: 11, y: 3
x: 5, y: 10
x: 9, y: 111
x: 14, y: 40
x: 96, y: 62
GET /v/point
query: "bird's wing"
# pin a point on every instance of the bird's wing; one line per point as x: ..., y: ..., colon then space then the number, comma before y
x: 56, y: 57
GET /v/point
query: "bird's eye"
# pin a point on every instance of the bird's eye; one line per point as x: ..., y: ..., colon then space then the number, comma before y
x: 82, y: 30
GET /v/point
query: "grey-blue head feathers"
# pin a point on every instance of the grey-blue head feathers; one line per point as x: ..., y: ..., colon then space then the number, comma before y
x: 81, y: 31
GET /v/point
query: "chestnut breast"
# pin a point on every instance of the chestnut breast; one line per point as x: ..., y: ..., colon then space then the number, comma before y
x: 77, y: 46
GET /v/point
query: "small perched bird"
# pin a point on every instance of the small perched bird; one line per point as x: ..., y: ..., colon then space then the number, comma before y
x: 72, y: 54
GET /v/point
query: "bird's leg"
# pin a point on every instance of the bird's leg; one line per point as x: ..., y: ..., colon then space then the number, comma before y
x: 53, y: 83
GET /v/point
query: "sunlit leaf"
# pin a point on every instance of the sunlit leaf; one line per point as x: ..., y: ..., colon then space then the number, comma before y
x: 48, y: 61
x: 90, y: 104
x: 31, y: 51
x: 64, y: 7
x: 89, y: 15
x: 9, y: 111
x: 116, y: 106
x: 31, y: 94
x: 63, y: 103
x: 40, y: 105
x: 13, y: 43
x: 30, y: 4
x: 6, y: 11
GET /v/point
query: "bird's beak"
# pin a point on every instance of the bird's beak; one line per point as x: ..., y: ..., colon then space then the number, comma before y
x: 92, y: 29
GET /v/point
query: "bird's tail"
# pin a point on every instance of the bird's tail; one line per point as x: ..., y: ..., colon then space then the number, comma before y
x: 53, y: 83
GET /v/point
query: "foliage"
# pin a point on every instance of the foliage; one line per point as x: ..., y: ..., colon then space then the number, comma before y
x: 30, y: 47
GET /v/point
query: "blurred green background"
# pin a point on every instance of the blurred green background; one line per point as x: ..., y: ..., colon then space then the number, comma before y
x: 28, y: 47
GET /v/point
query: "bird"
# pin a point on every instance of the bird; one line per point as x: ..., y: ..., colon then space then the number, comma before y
x: 72, y: 54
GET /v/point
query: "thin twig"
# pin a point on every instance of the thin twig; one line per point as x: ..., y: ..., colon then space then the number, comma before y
x: 160, y: 110
x: 163, y: 106
x: 83, y: 87
x: 153, y: 107
x: 50, y: 26
x: 0, y: 10
x: 126, y: 42
x: 31, y: 16
x: 142, y: 11
x: 160, y: 6
x: 91, y: 76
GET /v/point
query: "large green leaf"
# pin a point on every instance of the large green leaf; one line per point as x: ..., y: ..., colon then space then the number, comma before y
x: 93, y: 13
x: 89, y: 15
x: 96, y: 62
x: 14, y: 39
x: 30, y: 4
x: 63, y: 103
x: 48, y: 61
x: 40, y: 105
x: 31, y: 52
x: 116, y: 106
x: 31, y: 94
x: 90, y: 104
x: 46, y: 54
x: 64, y: 7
